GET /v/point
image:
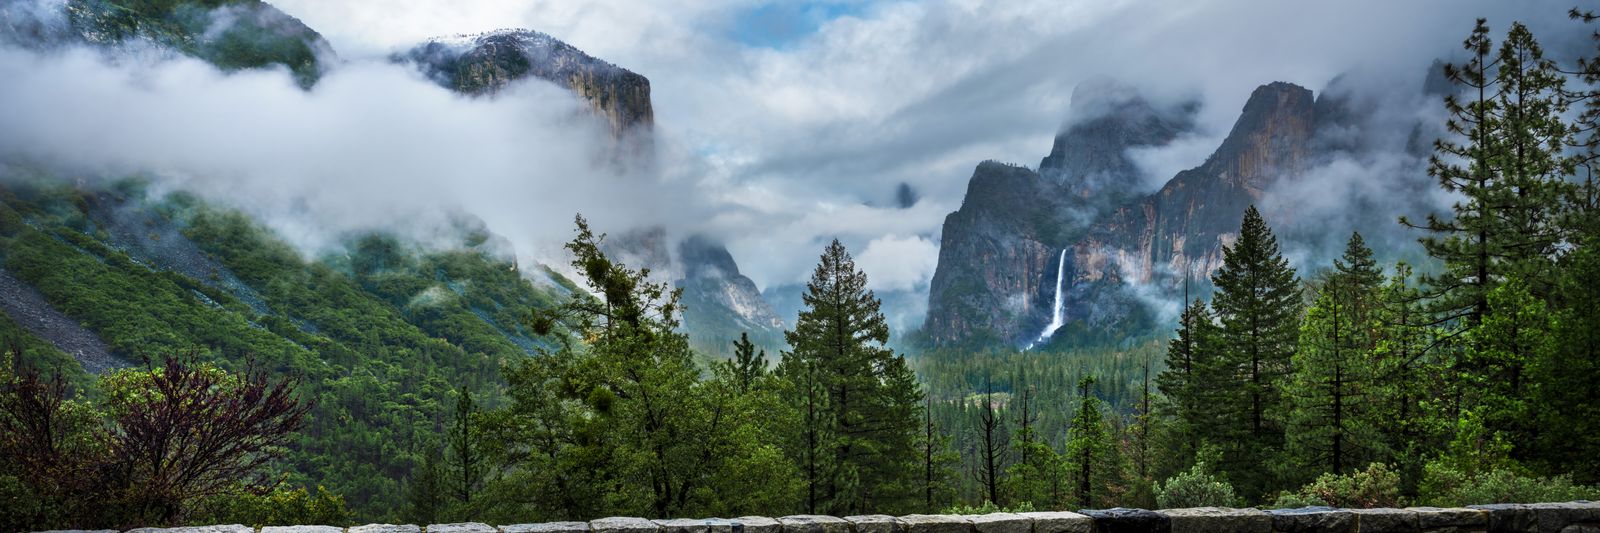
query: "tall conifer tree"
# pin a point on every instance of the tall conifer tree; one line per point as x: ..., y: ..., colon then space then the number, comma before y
x: 1258, y: 304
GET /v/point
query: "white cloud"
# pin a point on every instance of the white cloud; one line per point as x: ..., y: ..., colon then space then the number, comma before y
x: 896, y: 263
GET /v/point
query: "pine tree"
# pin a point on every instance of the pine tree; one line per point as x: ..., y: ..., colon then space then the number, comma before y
x: 860, y: 455
x: 1090, y: 454
x: 1409, y: 391
x: 1531, y: 158
x: 1327, y: 423
x: 992, y: 439
x: 464, y: 439
x: 748, y: 365
x: 1186, y: 381
x: 1258, y: 303
x: 1465, y: 242
x: 938, y: 462
x: 425, y: 490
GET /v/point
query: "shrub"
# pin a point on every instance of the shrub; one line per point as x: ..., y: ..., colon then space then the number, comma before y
x: 1377, y: 486
x: 989, y: 507
x: 1445, y: 486
x: 1195, y: 488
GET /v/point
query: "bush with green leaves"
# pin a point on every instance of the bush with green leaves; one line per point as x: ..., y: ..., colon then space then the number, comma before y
x: 1446, y: 486
x: 989, y: 507
x: 1195, y: 488
x: 1376, y: 486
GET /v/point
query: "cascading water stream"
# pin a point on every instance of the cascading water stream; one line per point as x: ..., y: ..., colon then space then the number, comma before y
x: 1058, y: 315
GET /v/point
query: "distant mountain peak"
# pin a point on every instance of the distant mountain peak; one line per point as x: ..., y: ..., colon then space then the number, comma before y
x: 483, y: 64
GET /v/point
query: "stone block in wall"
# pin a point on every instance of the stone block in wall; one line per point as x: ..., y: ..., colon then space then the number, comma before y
x: 230, y: 528
x: 386, y: 528
x: 622, y: 524
x: 813, y: 523
x: 463, y: 527
x: 1510, y: 518
x: 1386, y: 520
x: 1001, y: 523
x: 757, y: 524
x: 1059, y: 522
x: 546, y: 527
x: 1450, y: 519
x: 302, y: 529
x: 1219, y: 520
x: 1313, y: 520
x: 937, y: 523
x: 696, y: 525
x: 1558, y: 517
x: 1122, y: 520
x: 876, y: 523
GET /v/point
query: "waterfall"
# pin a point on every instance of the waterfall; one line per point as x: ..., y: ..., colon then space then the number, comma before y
x: 1058, y: 315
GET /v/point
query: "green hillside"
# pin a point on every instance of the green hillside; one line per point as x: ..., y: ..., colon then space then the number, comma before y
x: 381, y: 332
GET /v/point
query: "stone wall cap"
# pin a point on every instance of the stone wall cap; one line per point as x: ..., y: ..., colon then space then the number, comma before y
x: 937, y: 523
x: 1059, y: 522
x: 1054, y: 515
x: 876, y: 523
x: 1213, y: 511
x: 544, y: 527
x: 1001, y: 523
x: 302, y: 529
x: 386, y: 528
x: 756, y: 520
x: 1314, y: 509
x: 227, y: 528
x: 462, y: 527
x: 813, y: 523
x: 623, y: 524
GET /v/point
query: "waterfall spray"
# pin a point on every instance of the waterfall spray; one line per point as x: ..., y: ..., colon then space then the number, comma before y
x: 1058, y: 314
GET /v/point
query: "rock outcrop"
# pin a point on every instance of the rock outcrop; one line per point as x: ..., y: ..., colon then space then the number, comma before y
x: 995, y: 276
x: 487, y: 63
x: 997, y: 258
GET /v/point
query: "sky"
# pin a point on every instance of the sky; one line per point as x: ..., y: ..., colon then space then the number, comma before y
x: 784, y: 124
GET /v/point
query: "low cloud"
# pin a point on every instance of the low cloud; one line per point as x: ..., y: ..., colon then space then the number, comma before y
x: 896, y: 263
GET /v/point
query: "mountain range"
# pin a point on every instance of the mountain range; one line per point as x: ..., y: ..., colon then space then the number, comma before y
x: 1078, y: 250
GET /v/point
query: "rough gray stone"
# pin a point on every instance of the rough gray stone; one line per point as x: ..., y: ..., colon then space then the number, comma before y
x: 1001, y: 523
x: 757, y: 524
x: 876, y: 523
x: 386, y: 528
x: 1219, y: 520
x: 1510, y: 518
x: 1313, y: 520
x: 1386, y: 520
x: 546, y: 527
x: 302, y: 529
x: 937, y: 523
x: 462, y: 527
x: 230, y: 528
x: 696, y: 525
x: 1582, y: 528
x: 622, y: 524
x: 1556, y: 517
x: 1123, y: 520
x: 1060, y: 522
x: 1450, y: 519
x: 813, y: 523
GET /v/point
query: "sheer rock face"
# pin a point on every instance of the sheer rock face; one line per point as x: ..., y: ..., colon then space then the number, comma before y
x: 996, y: 273
x: 995, y: 279
x: 485, y: 64
x: 711, y: 275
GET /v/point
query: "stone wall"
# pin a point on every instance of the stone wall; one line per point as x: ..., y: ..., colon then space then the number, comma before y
x: 1573, y: 517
